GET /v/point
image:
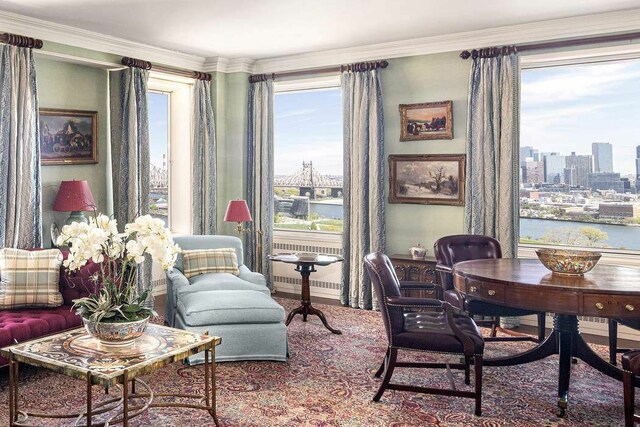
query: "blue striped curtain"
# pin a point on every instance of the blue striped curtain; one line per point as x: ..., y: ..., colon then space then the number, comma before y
x: 203, y: 161
x: 259, y: 184
x: 492, y: 151
x: 20, y: 182
x: 364, y: 214
x: 130, y: 161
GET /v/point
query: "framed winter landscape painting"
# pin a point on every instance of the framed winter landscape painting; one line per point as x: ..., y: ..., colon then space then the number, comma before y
x: 429, y: 179
x: 68, y: 137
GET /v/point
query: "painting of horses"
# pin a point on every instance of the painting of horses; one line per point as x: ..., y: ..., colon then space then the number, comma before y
x: 68, y: 137
x: 429, y: 120
x: 433, y: 179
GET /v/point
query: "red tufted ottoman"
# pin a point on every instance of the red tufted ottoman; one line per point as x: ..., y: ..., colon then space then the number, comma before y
x: 28, y: 323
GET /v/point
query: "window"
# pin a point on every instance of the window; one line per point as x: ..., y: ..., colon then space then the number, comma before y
x: 308, y: 157
x: 170, y: 108
x: 580, y: 155
x: 159, y: 155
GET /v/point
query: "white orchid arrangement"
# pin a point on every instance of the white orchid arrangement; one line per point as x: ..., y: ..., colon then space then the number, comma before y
x: 119, y: 255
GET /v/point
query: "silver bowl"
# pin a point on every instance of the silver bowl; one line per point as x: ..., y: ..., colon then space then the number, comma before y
x: 568, y: 262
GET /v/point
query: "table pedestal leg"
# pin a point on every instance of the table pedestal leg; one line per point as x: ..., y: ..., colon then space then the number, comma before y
x: 306, y: 308
x: 567, y: 327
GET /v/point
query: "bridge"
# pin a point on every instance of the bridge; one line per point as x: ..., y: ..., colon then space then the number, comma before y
x: 311, y: 183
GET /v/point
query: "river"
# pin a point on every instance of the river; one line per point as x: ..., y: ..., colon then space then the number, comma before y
x: 619, y: 236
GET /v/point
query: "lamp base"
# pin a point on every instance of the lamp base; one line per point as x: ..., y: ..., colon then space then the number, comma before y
x: 77, y: 216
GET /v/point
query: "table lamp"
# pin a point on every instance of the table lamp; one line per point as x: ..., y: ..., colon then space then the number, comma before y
x: 74, y: 197
x: 238, y: 211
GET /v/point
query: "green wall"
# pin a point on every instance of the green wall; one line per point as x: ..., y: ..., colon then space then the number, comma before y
x: 76, y: 87
x: 232, y: 142
x: 411, y: 80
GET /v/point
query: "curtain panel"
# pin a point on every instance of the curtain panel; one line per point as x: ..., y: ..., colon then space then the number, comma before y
x: 20, y: 180
x: 259, y: 183
x: 493, y: 150
x: 130, y: 152
x: 204, y: 161
x: 363, y: 187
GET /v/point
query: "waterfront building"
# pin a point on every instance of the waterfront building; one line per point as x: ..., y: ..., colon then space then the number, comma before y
x: 602, y: 156
x: 619, y: 210
x: 554, y: 166
x: 578, y: 168
x: 606, y: 181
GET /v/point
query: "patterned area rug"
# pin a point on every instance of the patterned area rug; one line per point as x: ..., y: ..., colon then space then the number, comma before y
x: 329, y: 381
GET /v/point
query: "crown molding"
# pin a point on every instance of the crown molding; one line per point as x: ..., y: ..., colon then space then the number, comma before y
x: 579, y: 26
x: 226, y: 65
x: 72, y: 36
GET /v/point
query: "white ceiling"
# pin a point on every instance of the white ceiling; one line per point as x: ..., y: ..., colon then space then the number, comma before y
x: 269, y: 28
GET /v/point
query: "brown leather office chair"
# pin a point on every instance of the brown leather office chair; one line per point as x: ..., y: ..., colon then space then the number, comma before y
x: 631, y: 367
x: 449, y: 250
x: 423, y: 324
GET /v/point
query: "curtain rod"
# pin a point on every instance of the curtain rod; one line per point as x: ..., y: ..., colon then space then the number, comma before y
x: 20, y: 41
x: 139, y: 63
x: 505, y: 50
x: 358, y: 66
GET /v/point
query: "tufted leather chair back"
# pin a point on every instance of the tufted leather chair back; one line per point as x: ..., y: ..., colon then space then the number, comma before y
x: 450, y: 250
x: 385, y: 283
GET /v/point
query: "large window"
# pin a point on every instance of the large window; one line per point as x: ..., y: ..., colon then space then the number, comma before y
x: 159, y: 155
x: 580, y: 155
x: 308, y: 160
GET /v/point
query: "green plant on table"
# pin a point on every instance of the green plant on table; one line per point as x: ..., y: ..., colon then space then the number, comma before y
x: 117, y: 297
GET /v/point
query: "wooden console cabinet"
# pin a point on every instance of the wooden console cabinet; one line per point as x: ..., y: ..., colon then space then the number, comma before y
x: 416, y: 270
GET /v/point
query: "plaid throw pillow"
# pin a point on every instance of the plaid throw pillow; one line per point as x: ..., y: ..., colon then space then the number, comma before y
x: 210, y: 261
x: 29, y: 279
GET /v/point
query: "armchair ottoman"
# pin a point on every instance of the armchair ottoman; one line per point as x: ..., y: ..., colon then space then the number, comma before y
x: 239, y: 309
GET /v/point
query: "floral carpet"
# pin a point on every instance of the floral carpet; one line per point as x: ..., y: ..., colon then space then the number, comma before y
x: 329, y: 381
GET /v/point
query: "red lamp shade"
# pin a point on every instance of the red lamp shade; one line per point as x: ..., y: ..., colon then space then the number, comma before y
x: 237, y: 211
x: 74, y: 196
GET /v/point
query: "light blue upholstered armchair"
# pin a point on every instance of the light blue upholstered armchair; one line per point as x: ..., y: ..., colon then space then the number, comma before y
x: 239, y: 309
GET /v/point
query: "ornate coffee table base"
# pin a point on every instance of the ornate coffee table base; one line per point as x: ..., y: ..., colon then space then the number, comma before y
x: 565, y: 340
x: 306, y: 308
x: 125, y: 412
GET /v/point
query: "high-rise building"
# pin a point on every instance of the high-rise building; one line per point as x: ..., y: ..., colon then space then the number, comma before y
x: 579, y: 167
x: 533, y: 172
x: 528, y: 152
x: 602, y: 157
x: 638, y: 169
x: 554, y: 165
x: 606, y: 181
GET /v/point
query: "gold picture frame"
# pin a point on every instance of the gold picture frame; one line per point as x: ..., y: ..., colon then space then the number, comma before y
x: 427, y: 179
x: 426, y: 121
x: 68, y: 137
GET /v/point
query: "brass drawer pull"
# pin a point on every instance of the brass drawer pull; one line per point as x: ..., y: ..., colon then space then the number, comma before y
x: 473, y: 289
x: 599, y: 305
x: 491, y: 292
x: 629, y: 307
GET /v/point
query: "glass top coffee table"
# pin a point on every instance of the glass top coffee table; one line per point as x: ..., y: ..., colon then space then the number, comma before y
x: 76, y: 354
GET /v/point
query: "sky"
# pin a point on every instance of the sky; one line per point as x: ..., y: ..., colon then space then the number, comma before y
x: 158, y: 126
x: 308, y: 126
x: 566, y: 108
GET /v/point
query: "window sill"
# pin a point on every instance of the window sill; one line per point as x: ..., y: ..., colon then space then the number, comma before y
x: 609, y: 256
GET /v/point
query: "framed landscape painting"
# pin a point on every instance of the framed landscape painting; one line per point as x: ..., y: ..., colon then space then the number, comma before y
x: 68, y: 137
x: 429, y: 179
x: 429, y: 120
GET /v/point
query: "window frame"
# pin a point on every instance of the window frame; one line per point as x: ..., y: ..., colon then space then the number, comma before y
x: 169, y: 174
x: 180, y: 91
x: 558, y: 58
x: 305, y: 85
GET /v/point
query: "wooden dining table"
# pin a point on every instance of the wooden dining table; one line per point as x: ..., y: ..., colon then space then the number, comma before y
x: 606, y: 291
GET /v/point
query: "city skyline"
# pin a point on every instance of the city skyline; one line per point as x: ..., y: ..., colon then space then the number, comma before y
x: 566, y: 109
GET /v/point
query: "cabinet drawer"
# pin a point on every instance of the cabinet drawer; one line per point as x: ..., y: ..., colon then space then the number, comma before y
x: 485, y: 291
x: 611, y: 305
